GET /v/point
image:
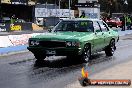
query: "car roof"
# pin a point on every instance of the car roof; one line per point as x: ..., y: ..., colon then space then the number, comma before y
x: 81, y: 19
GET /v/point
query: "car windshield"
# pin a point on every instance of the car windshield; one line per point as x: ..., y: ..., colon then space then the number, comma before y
x: 79, y: 26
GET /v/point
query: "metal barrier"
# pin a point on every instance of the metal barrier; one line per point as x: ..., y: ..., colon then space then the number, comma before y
x: 4, y: 27
x: 7, y: 27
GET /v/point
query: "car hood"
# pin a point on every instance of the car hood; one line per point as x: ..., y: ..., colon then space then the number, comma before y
x: 62, y: 36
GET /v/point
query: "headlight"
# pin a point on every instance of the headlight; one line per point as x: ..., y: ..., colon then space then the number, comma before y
x: 33, y: 43
x: 68, y: 43
x: 72, y: 44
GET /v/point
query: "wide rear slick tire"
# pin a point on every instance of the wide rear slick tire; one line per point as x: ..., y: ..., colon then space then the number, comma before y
x: 86, y: 54
x: 110, y: 49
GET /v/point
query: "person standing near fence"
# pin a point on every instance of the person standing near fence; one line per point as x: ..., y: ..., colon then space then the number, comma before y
x: 122, y: 18
x: 128, y: 22
x: 44, y: 23
x: 83, y: 15
x: 13, y: 19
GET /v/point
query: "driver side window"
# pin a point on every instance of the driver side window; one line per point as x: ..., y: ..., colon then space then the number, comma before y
x: 103, y: 26
x: 96, y: 27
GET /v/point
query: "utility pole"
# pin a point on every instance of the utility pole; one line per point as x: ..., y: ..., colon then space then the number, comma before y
x: 0, y: 10
x: 59, y: 8
x: 69, y: 8
x: 59, y: 4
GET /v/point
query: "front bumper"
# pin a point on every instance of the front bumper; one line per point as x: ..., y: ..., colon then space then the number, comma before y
x: 57, y: 51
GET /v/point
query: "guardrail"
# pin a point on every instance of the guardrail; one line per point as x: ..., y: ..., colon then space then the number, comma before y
x: 15, y: 40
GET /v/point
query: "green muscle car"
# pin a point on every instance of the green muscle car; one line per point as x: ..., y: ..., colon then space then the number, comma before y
x: 75, y: 38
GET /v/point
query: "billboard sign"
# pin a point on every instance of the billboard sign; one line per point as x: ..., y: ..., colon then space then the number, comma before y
x: 4, y: 27
x: 19, y: 2
x: 43, y: 12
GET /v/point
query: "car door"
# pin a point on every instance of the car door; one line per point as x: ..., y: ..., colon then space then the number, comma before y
x: 98, y: 37
x: 106, y: 33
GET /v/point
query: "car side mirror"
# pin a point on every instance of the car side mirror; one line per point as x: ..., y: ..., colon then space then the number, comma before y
x: 50, y: 28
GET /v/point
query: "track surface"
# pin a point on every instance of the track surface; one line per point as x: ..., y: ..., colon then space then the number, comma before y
x: 21, y: 70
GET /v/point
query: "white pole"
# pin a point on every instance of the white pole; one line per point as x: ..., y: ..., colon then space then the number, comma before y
x: 59, y: 8
x: 69, y: 8
x: 59, y: 4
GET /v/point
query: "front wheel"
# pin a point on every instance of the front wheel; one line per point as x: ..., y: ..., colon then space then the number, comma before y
x: 110, y: 49
x: 86, y: 55
x: 39, y: 57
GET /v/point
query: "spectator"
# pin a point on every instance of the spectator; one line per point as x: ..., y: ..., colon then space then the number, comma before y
x: 131, y: 20
x: 44, y: 22
x: 128, y: 22
x: 83, y: 15
x: 13, y: 19
x: 122, y: 18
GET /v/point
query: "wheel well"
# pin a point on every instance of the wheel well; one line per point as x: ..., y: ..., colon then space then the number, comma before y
x: 87, y: 44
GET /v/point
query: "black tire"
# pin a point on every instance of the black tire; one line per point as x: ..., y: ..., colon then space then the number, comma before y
x: 39, y: 57
x: 110, y: 49
x: 86, y: 54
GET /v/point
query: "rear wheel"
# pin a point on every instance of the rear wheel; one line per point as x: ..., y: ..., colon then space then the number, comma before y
x: 86, y: 55
x: 110, y: 49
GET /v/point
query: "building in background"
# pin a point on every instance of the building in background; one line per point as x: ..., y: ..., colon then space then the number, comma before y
x: 91, y: 8
x: 22, y: 9
x: 16, y: 15
x: 49, y: 14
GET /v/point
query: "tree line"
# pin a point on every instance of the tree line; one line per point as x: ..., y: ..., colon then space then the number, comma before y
x: 109, y: 6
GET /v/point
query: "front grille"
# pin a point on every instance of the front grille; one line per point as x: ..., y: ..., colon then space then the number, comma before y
x: 52, y: 44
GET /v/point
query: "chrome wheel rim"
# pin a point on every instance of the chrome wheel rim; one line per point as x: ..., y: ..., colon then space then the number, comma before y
x: 112, y: 47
